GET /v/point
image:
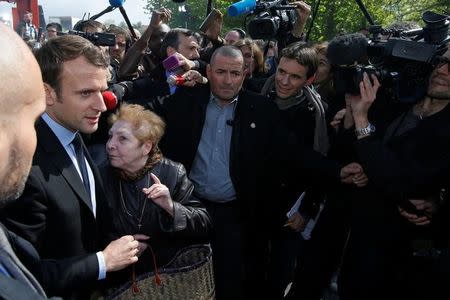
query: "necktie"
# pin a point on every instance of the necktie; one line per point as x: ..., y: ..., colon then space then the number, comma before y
x: 79, y: 153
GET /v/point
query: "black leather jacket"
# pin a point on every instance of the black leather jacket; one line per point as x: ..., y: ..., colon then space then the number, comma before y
x: 189, y: 225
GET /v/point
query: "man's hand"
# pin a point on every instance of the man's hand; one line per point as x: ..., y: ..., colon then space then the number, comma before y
x: 160, y: 194
x: 337, y: 119
x: 213, y: 31
x: 360, y: 179
x: 296, y: 222
x: 348, y: 171
x: 361, y: 103
x: 303, y: 11
x: 193, y: 78
x: 160, y: 16
x: 120, y: 253
x: 426, y: 206
x: 185, y: 63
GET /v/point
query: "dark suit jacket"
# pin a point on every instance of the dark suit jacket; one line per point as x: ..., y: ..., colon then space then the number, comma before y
x: 255, y: 141
x: 53, y: 213
x: 54, y: 275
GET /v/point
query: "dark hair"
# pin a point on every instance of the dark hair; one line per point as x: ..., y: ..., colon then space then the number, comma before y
x: 55, y: 52
x: 304, y: 54
x: 119, y: 30
x: 241, y: 32
x: 84, y: 25
x: 55, y: 25
x: 172, y: 39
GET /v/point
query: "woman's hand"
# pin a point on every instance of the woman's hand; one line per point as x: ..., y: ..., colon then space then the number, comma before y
x: 160, y: 194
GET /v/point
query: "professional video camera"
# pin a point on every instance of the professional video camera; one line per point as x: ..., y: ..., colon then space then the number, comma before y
x: 271, y: 18
x: 401, y: 60
x: 96, y: 38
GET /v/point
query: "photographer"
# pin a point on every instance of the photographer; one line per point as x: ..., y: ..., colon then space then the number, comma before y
x: 387, y: 251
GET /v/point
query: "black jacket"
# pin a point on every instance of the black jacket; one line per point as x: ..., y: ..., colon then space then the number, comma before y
x: 189, y: 225
x: 53, y: 212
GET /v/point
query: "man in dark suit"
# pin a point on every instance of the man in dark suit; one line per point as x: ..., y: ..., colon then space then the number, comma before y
x: 62, y: 211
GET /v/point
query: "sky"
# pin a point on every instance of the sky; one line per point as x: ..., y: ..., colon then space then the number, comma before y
x: 77, y: 8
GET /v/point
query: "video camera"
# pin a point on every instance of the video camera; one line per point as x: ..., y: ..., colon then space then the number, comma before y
x: 96, y: 38
x: 272, y: 18
x: 401, y: 60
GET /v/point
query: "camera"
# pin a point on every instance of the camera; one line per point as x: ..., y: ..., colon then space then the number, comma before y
x: 271, y: 18
x: 401, y: 60
x: 96, y: 38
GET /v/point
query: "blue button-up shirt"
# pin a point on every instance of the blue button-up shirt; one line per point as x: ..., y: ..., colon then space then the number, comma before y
x: 210, y: 171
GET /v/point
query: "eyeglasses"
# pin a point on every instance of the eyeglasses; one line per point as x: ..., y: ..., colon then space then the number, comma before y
x: 442, y: 61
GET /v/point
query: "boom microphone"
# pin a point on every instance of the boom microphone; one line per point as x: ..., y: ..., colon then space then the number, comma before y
x: 347, y: 49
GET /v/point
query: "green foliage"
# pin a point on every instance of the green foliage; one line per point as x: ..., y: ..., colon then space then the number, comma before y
x: 333, y: 17
x: 195, y: 13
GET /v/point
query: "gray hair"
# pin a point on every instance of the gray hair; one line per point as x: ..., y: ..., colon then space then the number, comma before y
x: 227, y: 51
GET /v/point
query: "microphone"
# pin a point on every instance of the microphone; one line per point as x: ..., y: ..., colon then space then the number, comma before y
x: 173, y: 80
x: 241, y: 7
x: 172, y: 63
x: 176, y: 80
x: 116, y: 3
x: 110, y: 100
x: 347, y: 49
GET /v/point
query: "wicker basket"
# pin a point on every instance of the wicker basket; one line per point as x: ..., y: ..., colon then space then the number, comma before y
x: 188, y: 276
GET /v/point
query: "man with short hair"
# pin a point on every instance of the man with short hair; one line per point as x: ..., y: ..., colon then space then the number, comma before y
x: 303, y: 111
x: 26, y: 28
x: 180, y: 40
x: 62, y: 211
x: 234, y: 35
x: 225, y: 138
x: 52, y: 30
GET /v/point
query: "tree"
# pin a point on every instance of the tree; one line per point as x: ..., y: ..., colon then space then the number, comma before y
x: 334, y: 16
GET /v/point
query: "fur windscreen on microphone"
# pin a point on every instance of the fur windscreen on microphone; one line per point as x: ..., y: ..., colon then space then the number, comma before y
x: 347, y: 49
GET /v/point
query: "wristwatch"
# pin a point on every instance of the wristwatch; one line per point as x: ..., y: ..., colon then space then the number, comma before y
x: 366, y: 131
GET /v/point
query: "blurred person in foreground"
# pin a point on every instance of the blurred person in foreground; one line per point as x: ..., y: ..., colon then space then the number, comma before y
x: 19, y: 108
x: 63, y: 211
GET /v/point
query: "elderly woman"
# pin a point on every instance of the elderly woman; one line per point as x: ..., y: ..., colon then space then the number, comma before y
x: 150, y: 196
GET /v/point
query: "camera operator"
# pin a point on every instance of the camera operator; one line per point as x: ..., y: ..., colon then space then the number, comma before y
x: 409, y: 162
x: 296, y: 34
